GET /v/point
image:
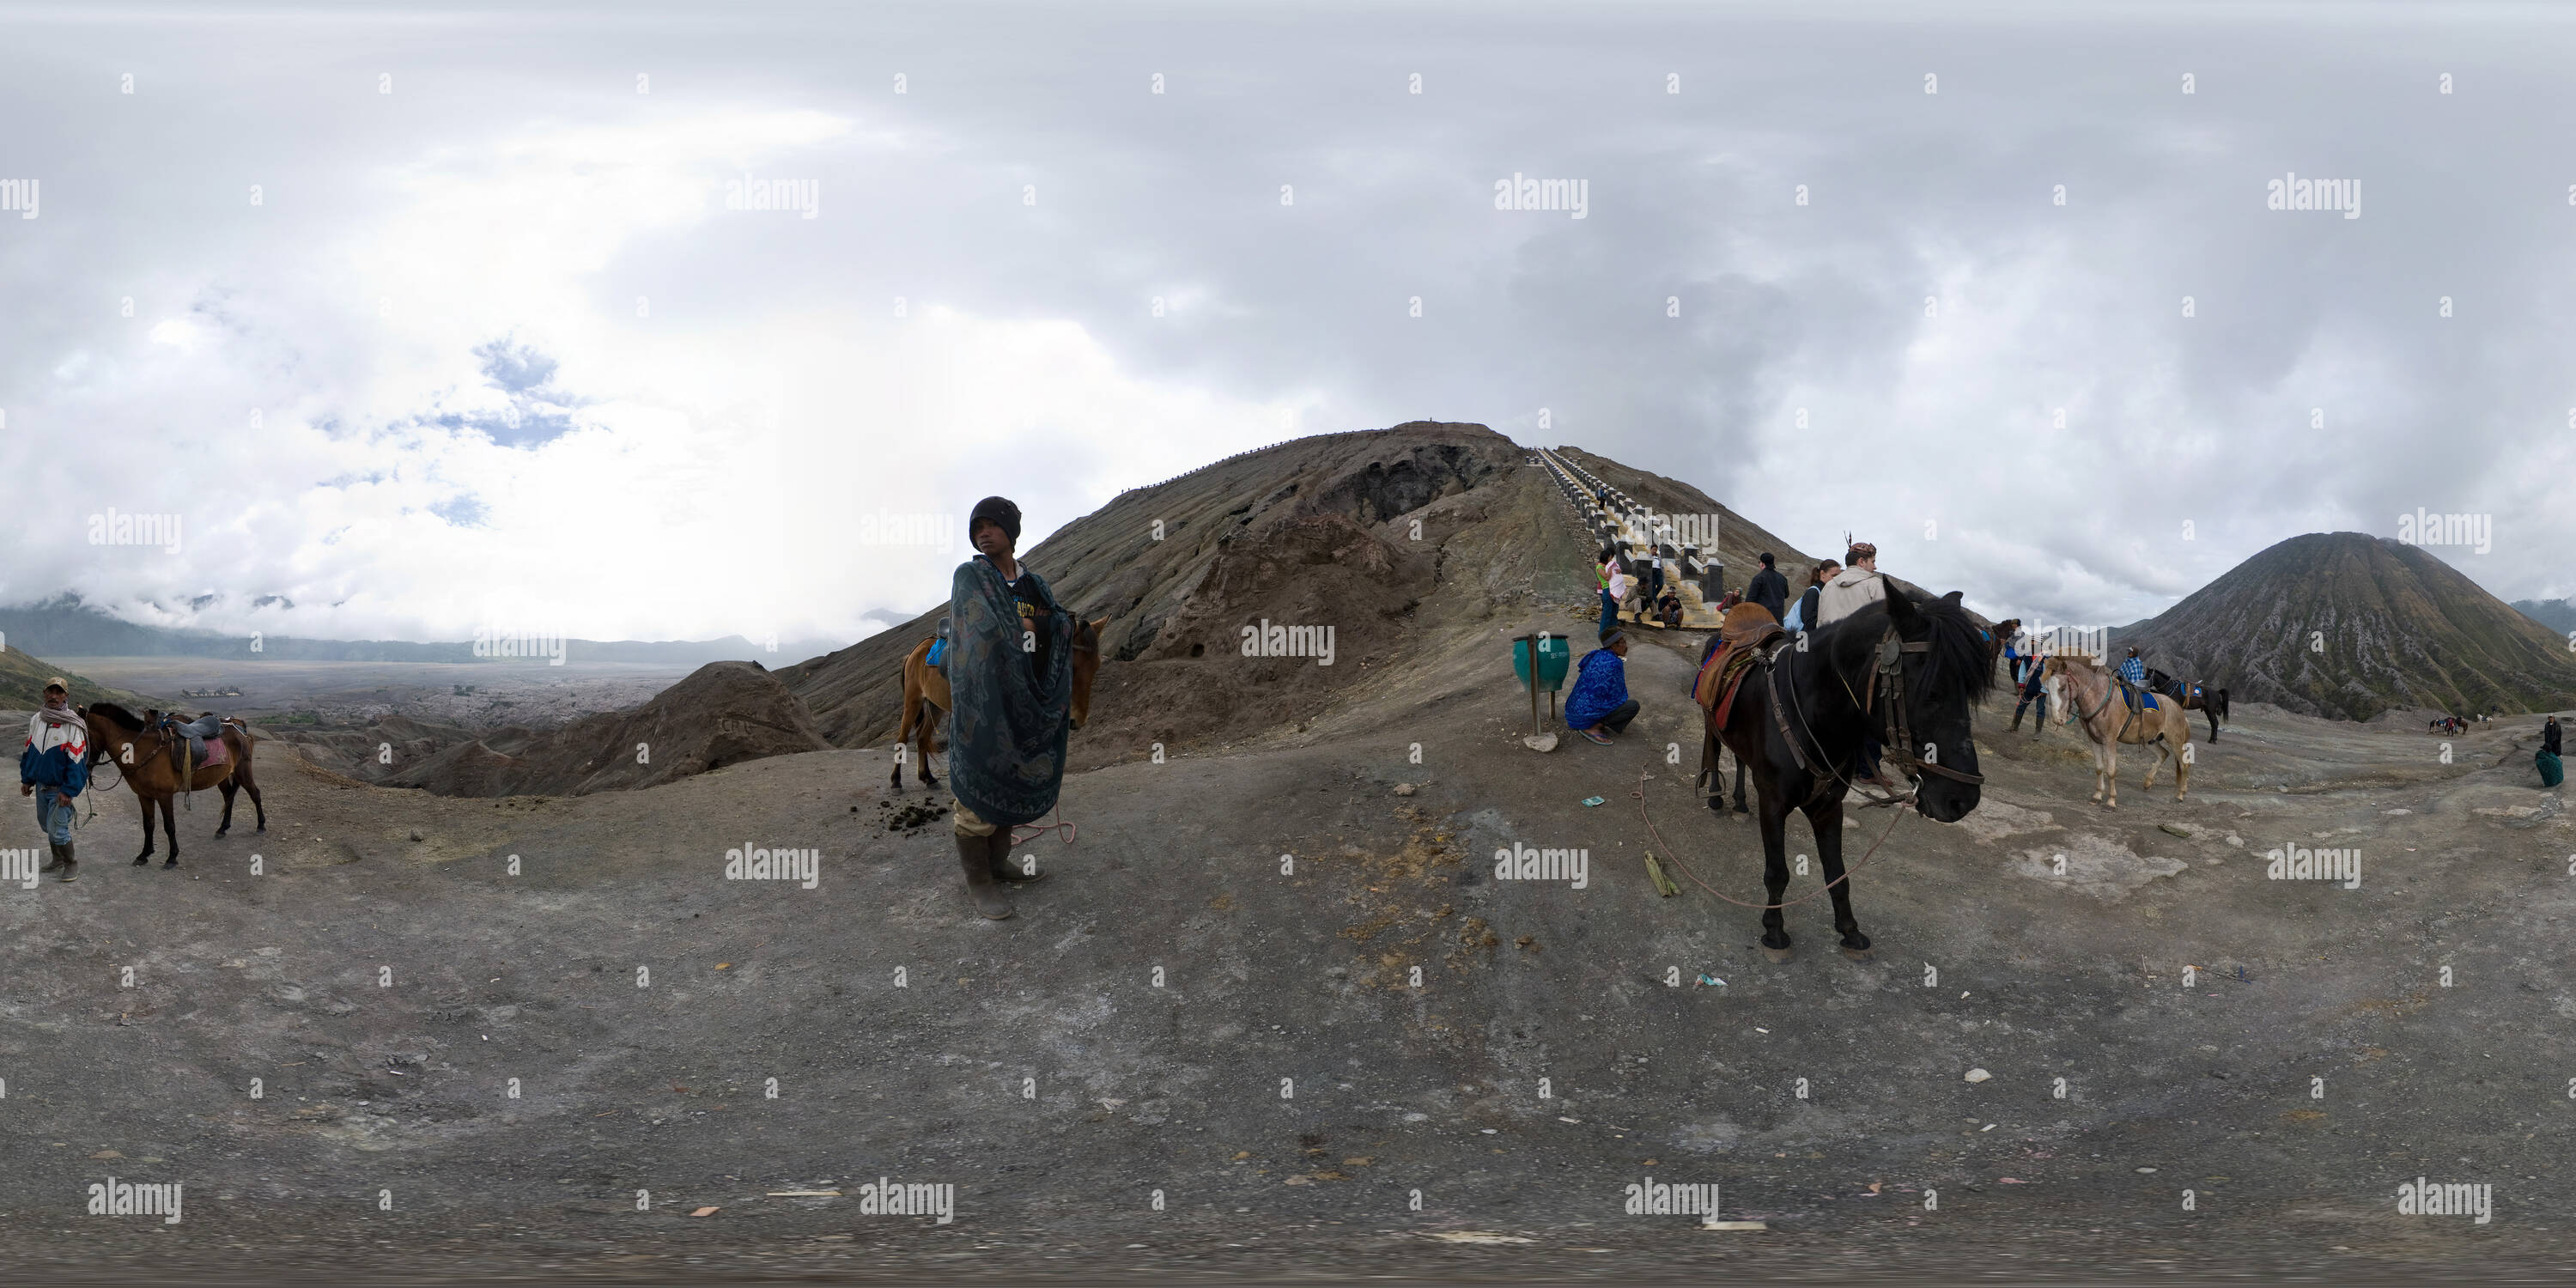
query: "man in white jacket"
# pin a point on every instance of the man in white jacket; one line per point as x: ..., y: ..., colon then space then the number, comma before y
x: 1856, y: 587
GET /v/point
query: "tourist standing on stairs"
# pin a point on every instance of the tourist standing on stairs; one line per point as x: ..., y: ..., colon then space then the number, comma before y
x: 1614, y: 587
x: 1769, y: 589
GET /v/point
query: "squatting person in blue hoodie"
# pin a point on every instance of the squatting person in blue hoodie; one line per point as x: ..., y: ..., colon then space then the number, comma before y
x: 1600, y: 699
x: 54, y: 768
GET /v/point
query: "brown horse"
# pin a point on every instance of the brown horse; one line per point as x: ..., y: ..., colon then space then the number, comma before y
x: 2001, y: 637
x: 2082, y: 690
x: 925, y: 699
x: 150, y: 752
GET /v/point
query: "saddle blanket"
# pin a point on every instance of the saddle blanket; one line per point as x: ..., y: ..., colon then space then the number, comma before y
x: 207, y: 753
x: 2142, y: 699
x: 1747, y: 628
x: 938, y: 650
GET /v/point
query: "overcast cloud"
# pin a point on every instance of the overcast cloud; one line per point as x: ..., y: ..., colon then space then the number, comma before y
x: 491, y: 347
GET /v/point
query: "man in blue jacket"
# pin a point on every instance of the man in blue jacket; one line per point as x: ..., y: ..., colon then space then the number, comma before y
x: 1600, y: 699
x: 54, y: 768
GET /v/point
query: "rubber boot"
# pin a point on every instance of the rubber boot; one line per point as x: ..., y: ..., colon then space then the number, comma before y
x: 71, y: 866
x: 2016, y: 724
x: 57, y: 864
x: 1008, y: 871
x: 974, y: 853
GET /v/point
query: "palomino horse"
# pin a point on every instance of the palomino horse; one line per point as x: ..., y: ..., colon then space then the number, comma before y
x: 925, y: 699
x: 1904, y: 672
x: 149, y: 752
x: 2081, y: 688
x: 2194, y: 696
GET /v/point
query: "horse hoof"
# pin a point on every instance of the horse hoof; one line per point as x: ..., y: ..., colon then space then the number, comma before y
x: 169, y: 865
x: 144, y: 862
x: 1777, y: 955
x: 1859, y: 954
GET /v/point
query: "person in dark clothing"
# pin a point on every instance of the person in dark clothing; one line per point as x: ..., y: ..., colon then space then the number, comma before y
x: 2549, y: 737
x: 1769, y: 589
x: 1010, y: 677
x: 2031, y: 689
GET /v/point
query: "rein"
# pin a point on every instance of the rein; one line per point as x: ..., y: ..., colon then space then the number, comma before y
x: 1863, y: 861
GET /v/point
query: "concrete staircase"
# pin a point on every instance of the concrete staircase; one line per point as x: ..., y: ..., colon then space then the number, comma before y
x: 1615, y: 519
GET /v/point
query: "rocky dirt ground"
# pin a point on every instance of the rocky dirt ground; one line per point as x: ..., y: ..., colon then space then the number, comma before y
x: 1178, y: 1009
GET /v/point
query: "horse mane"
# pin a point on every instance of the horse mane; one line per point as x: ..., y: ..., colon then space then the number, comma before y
x: 122, y: 718
x: 1957, y: 665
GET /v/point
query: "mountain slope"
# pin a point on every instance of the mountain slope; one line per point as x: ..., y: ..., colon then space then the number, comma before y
x: 1319, y: 531
x: 22, y: 682
x: 724, y: 713
x: 2348, y: 625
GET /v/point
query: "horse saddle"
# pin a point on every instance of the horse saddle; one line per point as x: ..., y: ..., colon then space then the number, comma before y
x: 1741, y: 639
x: 2137, y: 699
x: 205, y: 739
x: 939, y: 645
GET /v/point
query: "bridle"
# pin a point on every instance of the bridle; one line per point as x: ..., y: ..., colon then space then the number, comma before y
x: 1897, y: 746
x: 1900, y: 746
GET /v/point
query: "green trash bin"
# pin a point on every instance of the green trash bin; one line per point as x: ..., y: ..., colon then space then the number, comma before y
x: 1555, y: 657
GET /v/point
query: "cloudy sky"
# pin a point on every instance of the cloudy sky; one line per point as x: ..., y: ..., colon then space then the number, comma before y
x: 429, y: 317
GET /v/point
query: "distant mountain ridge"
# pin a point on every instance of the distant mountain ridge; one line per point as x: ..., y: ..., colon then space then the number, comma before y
x: 2557, y: 614
x: 2347, y: 625
x: 66, y: 627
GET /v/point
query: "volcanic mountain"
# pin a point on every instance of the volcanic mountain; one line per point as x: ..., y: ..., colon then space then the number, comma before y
x: 2347, y: 625
x: 1404, y: 540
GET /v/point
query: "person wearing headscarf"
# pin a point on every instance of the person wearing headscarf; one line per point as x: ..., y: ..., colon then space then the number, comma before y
x: 1010, y: 682
x: 54, y: 768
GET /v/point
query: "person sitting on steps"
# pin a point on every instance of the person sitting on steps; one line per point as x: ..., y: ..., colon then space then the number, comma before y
x: 1600, y: 698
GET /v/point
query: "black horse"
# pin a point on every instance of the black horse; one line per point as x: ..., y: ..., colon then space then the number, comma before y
x: 2193, y: 697
x: 1906, y: 671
